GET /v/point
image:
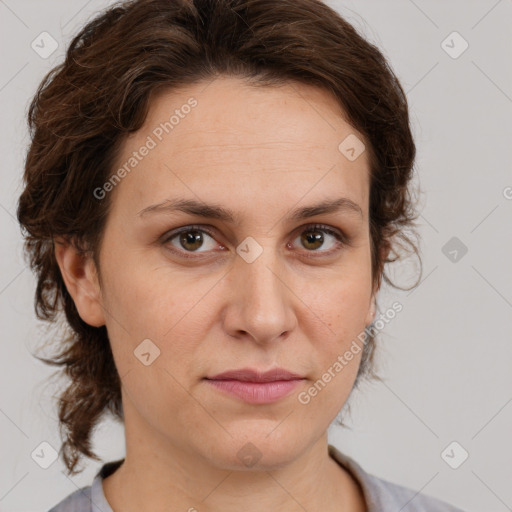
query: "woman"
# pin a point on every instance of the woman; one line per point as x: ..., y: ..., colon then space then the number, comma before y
x: 211, y: 193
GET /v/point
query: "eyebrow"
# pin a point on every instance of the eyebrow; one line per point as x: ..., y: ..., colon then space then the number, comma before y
x: 213, y: 211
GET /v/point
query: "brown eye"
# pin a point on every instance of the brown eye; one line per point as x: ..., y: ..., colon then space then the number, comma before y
x: 322, y: 237
x: 318, y: 240
x: 190, y: 240
x: 312, y: 239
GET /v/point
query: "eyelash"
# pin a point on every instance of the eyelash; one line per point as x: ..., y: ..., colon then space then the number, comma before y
x: 342, y: 240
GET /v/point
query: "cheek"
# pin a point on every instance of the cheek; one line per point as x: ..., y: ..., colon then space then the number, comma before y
x: 342, y: 303
x: 144, y: 298
x: 337, y: 346
x: 143, y: 307
x: 165, y: 307
x: 336, y: 349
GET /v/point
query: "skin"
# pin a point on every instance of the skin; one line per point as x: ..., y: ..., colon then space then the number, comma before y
x: 259, y: 151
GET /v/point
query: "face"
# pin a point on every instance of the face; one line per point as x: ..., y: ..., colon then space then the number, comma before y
x: 264, y: 289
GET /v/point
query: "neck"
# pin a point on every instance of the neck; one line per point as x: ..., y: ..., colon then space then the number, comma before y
x: 158, y: 475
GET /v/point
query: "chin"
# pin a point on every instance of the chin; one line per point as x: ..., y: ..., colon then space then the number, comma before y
x: 258, y: 451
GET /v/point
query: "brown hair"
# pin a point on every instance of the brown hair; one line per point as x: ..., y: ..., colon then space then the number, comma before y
x: 85, y: 107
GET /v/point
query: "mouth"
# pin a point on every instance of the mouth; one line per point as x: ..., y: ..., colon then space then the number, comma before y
x: 256, y: 387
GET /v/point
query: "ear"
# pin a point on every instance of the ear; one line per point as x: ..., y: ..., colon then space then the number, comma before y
x: 370, y: 317
x: 81, y: 279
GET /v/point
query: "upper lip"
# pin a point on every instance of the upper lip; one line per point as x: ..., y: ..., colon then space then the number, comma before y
x: 250, y: 375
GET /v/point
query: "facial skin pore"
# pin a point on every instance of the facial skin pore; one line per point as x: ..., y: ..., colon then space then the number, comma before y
x: 260, y: 152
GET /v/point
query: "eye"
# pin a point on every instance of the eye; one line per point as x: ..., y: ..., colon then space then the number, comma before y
x: 191, y: 239
x: 313, y: 238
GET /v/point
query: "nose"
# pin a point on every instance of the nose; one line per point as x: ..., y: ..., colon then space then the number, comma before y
x: 261, y: 304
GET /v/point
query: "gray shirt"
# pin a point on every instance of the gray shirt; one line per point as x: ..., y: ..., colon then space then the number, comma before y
x: 380, y: 495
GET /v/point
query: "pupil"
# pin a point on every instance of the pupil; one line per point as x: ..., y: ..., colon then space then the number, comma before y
x: 311, y: 237
x: 192, y: 238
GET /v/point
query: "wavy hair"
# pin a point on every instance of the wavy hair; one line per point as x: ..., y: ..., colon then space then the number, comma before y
x: 86, y: 106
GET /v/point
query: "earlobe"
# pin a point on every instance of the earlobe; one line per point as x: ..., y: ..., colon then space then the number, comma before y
x: 80, y: 277
x: 371, y: 312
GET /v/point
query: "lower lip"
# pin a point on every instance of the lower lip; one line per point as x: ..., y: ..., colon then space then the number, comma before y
x: 257, y: 392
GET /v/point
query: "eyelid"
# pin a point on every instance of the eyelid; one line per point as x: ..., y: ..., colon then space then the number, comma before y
x: 341, y: 237
x: 168, y: 236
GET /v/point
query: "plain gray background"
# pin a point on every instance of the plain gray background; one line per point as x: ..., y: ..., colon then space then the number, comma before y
x: 446, y: 357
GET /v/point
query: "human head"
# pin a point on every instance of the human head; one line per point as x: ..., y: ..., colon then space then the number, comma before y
x: 137, y: 53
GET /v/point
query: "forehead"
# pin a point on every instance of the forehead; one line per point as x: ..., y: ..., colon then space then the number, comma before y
x: 237, y: 142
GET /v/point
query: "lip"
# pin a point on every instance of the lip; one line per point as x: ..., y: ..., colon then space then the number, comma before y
x: 252, y: 375
x: 254, y: 386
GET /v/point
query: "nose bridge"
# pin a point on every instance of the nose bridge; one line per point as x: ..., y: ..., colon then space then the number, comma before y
x: 262, y: 296
x: 260, y: 273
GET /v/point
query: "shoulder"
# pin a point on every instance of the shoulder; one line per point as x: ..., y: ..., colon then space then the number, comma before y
x: 387, y: 495
x: 382, y: 495
x: 78, y: 501
x: 90, y: 498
